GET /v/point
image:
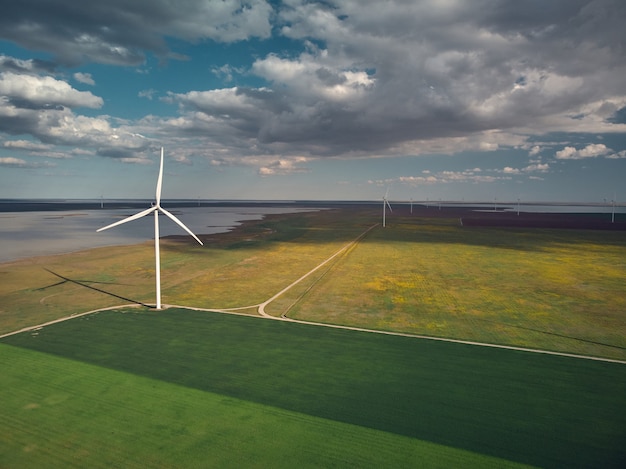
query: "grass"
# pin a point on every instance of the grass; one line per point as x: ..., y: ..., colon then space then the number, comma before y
x: 553, y: 289
x: 189, y: 389
x: 184, y: 388
x: 81, y: 415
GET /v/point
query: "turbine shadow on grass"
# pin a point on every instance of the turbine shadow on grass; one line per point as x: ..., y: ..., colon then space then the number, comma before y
x: 83, y: 283
x: 556, y: 334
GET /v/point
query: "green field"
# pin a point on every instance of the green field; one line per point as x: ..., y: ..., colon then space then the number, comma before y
x: 550, y: 289
x: 179, y: 388
x: 140, y: 388
x: 558, y: 290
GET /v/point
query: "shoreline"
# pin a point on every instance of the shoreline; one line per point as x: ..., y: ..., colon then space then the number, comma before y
x: 229, y: 235
x: 28, y: 234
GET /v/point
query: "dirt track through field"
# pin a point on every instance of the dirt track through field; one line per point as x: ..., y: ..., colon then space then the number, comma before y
x: 262, y: 306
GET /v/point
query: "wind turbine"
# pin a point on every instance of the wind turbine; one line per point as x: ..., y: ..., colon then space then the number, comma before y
x: 385, y: 205
x: 156, y: 208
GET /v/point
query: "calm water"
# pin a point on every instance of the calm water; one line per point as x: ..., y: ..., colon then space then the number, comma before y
x: 28, y: 234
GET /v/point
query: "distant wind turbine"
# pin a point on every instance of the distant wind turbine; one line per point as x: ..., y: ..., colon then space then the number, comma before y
x: 385, y: 205
x: 613, y: 211
x: 156, y: 209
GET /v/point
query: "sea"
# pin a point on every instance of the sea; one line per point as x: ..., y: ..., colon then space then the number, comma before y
x: 37, y: 228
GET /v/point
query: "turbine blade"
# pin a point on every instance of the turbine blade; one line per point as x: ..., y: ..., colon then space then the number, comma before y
x: 159, y: 181
x: 131, y: 218
x: 180, y: 223
x: 387, y: 202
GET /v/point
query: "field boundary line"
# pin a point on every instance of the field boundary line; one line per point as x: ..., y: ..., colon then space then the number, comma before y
x: 456, y: 341
x: 406, y: 334
x: 67, y: 318
x: 332, y: 326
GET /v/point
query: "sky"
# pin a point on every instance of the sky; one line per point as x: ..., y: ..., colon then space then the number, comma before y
x: 476, y: 100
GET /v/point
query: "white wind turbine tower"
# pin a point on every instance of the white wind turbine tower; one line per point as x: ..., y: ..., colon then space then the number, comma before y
x: 385, y: 205
x: 156, y: 209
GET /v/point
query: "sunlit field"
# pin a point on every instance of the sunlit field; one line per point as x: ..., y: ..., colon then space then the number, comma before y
x: 180, y: 388
x: 177, y: 388
x: 551, y: 289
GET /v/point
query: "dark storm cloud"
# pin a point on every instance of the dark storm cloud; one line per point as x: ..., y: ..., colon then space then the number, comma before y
x: 120, y: 153
x: 119, y: 32
x: 11, y: 64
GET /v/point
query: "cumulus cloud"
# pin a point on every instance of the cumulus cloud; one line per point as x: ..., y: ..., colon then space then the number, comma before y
x: 509, y: 170
x: 283, y: 166
x: 85, y: 78
x: 60, y: 126
x: 480, y: 77
x: 590, y: 151
x: 11, y: 162
x: 412, y: 78
x: 28, y: 91
x: 475, y: 175
x: 26, y: 145
x: 537, y: 167
x: 617, y: 155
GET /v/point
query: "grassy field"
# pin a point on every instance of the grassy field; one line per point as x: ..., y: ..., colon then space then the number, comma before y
x: 553, y: 289
x: 178, y: 388
x: 550, y: 289
x: 231, y: 270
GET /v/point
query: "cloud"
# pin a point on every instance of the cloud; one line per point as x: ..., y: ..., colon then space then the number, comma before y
x: 590, y: 151
x: 85, y: 78
x: 473, y: 176
x: 119, y: 33
x: 35, y: 92
x: 34, y: 66
x: 283, y: 167
x: 537, y: 167
x: 618, y: 155
x: 227, y: 72
x: 60, y: 126
x: 475, y: 78
x: 26, y: 145
x: 11, y: 162
x: 357, y: 80
x: 148, y: 94
x: 509, y: 170
x: 443, y: 177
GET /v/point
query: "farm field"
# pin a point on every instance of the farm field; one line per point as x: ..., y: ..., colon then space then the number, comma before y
x: 424, y: 274
x: 548, y: 289
x: 181, y: 388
